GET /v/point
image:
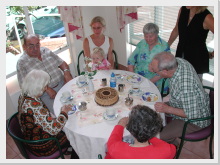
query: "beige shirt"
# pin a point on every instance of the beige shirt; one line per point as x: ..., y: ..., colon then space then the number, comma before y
x: 50, y: 63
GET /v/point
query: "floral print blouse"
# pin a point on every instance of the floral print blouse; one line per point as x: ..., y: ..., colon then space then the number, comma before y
x: 141, y: 57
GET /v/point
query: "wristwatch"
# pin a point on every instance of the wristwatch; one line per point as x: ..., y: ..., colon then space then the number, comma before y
x: 66, y: 70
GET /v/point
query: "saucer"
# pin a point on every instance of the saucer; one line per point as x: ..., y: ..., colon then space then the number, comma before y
x: 135, y: 93
x: 108, y: 118
x: 134, y: 79
x: 74, y: 109
x: 66, y: 100
x: 81, y: 84
x: 119, y: 77
x: 149, y: 97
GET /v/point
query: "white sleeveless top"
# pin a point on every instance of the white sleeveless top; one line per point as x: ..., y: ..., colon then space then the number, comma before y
x: 105, y: 46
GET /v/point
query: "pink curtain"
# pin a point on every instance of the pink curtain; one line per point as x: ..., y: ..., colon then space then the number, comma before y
x: 125, y: 15
x: 72, y: 15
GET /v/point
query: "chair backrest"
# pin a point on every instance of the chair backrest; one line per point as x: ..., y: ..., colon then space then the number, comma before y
x: 14, y: 130
x: 80, y: 61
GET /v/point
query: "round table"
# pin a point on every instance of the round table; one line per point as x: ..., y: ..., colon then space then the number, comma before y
x: 86, y: 130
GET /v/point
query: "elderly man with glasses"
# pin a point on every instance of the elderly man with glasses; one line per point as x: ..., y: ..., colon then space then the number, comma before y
x: 41, y: 58
x: 188, y: 100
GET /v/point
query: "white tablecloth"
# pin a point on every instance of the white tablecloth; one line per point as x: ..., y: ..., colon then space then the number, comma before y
x: 87, y: 131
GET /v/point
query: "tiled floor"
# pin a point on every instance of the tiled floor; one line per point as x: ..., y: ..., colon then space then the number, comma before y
x: 195, y: 150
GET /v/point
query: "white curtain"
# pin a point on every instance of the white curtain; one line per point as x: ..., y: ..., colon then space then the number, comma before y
x: 125, y: 15
x: 72, y: 15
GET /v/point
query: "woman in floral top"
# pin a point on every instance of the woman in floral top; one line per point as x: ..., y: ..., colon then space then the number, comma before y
x: 35, y: 119
x: 145, y: 50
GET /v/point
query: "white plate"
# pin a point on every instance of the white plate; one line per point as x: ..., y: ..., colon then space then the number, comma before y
x: 134, y: 79
x: 66, y: 100
x: 107, y: 118
x: 80, y: 84
x: 135, y: 93
x: 149, y: 97
x: 119, y: 77
x: 74, y: 109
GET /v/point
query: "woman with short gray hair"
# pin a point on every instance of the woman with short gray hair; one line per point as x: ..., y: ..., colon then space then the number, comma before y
x: 35, y: 118
x: 144, y: 124
x: 146, y: 49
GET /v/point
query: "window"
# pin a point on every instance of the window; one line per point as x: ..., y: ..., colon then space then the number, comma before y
x: 165, y: 17
x: 42, y: 20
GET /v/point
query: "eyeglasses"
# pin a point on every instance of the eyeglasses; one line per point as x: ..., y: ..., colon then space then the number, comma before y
x: 96, y: 28
x: 32, y: 46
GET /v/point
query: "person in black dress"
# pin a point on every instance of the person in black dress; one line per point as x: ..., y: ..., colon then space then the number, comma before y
x: 192, y: 26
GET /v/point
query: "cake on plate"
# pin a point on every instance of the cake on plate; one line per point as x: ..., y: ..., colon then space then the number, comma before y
x: 106, y: 96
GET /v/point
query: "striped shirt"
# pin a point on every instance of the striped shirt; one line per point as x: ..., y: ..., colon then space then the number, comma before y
x: 50, y: 63
x: 187, y: 93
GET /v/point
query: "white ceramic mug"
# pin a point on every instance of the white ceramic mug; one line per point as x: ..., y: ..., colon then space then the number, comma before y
x: 66, y: 94
x: 135, y: 88
x: 110, y: 112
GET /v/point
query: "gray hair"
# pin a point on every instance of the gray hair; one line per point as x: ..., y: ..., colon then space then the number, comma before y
x: 35, y: 82
x: 98, y: 50
x: 144, y: 123
x: 151, y: 28
x: 166, y: 61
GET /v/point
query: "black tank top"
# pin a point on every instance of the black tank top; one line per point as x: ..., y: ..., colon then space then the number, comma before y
x: 192, y: 40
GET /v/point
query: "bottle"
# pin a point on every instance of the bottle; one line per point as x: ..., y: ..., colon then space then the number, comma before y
x: 91, y: 85
x: 113, y: 80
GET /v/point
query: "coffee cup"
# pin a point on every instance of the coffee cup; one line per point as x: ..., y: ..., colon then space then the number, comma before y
x: 110, y: 112
x: 81, y: 80
x: 135, y: 88
x: 66, y: 95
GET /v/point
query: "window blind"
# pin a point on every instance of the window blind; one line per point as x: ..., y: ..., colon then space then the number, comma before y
x: 165, y: 17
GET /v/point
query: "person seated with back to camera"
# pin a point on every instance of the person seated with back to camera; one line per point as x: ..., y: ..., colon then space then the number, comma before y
x: 98, y: 60
x: 143, y: 123
x: 35, y: 118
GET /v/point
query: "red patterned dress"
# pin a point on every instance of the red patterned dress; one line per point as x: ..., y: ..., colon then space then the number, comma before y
x: 36, y: 123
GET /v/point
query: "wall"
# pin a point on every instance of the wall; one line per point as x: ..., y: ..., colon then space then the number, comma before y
x: 109, y: 14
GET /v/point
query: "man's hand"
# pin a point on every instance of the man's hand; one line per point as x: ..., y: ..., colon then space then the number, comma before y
x: 67, y: 77
x: 161, y: 107
x: 52, y: 93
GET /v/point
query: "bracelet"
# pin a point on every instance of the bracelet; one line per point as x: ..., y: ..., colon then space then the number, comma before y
x: 66, y: 70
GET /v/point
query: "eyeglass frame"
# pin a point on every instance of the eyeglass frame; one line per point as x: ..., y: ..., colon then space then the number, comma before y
x: 32, y: 46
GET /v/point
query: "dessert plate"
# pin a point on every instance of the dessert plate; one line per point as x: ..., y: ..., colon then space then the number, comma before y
x: 74, y: 109
x: 107, y: 118
x: 138, y: 93
x: 119, y: 77
x: 149, y: 97
x: 134, y: 79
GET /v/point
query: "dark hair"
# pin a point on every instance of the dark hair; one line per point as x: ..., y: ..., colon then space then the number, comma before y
x: 144, y: 123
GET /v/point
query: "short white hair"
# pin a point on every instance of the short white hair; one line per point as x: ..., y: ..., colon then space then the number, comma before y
x: 34, y: 83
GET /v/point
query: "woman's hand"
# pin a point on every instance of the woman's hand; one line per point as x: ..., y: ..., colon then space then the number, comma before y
x: 123, y: 121
x: 66, y: 108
